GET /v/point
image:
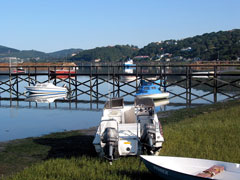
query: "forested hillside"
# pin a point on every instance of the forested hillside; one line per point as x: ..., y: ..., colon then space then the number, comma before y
x: 64, y: 53
x: 222, y: 45
x: 110, y: 53
x: 6, y: 50
x: 37, y: 55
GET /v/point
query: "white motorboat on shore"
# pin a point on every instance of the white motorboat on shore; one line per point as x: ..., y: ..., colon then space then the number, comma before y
x: 46, y: 88
x: 128, y: 130
x: 180, y: 168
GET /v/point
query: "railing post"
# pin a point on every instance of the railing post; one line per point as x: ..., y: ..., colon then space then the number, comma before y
x: 17, y: 84
x: 190, y: 85
x: 76, y: 83
x: 29, y: 76
x: 35, y: 74
x: 215, y: 84
x: 10, y: 81
x: 97, y: 82
x: 48, y: 74
x: 69, y: 79
x: 55, y: 77
x: 187, y: 85
x: 136, y: 78
x: 164, y: 78
x: 118, y: 81
x: 113, y: 81
x: 91, y: 83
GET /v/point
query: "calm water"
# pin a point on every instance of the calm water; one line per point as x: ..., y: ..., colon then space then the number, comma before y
x: 20, y: 119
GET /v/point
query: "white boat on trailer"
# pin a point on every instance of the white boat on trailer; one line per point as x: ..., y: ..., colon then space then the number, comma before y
x: 128, y: 130
x: 46, y: 88
x: 180, y: 168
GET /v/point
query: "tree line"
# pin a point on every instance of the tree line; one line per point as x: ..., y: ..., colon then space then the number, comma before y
x: 222, y: 45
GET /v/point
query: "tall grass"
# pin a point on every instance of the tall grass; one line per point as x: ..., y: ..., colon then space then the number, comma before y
x: 212, y: 135
x: 210, y: 132
x: 85, y: 168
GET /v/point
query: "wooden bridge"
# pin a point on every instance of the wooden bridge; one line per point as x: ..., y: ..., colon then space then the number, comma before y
x: 102, y: 81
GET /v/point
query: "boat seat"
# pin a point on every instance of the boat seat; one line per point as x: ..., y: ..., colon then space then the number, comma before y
x: 129, y: 116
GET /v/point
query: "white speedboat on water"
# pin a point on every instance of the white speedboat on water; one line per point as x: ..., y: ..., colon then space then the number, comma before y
x: 46, y: 88
x: 180, y: 168
x: 129, y: 63
x: 128, y: 130
x: 45, y: 98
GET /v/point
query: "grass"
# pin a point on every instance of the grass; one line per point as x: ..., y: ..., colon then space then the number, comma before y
x: 85, y: 168
x: 211, y: 136
x: 210, y: 132
x: 20, y: 153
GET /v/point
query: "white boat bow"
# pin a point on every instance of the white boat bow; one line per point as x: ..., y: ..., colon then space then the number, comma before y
x: 180, y: 168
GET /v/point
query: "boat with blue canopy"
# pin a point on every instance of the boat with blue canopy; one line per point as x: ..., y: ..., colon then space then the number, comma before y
x: 152, y: 89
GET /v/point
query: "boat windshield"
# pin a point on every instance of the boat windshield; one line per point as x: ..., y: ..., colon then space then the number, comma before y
x: 44, y: 84
x: 147, y: 102
x: 114, y: 103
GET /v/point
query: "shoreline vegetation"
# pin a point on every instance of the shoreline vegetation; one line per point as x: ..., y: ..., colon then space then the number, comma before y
x: 209, y: 132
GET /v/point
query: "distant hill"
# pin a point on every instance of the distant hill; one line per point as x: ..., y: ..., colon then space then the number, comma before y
x: 109, y: 53
x: 6, y: 50
x: 222, y: 45
x: 30, y: 54
x: 38, y: 55
x: 64, y: 53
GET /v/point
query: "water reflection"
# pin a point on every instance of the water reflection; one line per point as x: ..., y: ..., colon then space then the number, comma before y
x: 24, y: 115
x: 45, y: 98
x: 160, y: 105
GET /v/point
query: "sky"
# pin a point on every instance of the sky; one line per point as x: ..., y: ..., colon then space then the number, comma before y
x: 52, y: 25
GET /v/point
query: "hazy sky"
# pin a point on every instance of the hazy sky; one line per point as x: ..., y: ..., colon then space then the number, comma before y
x: 51, y: 25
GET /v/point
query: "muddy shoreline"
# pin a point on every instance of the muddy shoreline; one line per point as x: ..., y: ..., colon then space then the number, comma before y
x: 87, y: 132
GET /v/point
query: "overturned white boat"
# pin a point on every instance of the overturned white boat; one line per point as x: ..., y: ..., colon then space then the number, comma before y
x: 128, y: 130
x: 46, y: 88
x: 180, y: 168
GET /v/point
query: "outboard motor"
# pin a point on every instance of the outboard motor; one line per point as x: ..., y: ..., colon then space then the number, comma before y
x: 148, y: 137
x: 110, y: 138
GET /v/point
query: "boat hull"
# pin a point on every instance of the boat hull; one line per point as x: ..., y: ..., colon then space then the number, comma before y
x: 18, y: 71
x: 37, y: 90
x: 130, y: 65
x: 168, y: 174
x: 154, y: 96
x: 61, y: 73
x: 177, y: 168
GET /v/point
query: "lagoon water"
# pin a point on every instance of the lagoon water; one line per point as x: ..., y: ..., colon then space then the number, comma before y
x: 21, y: 119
